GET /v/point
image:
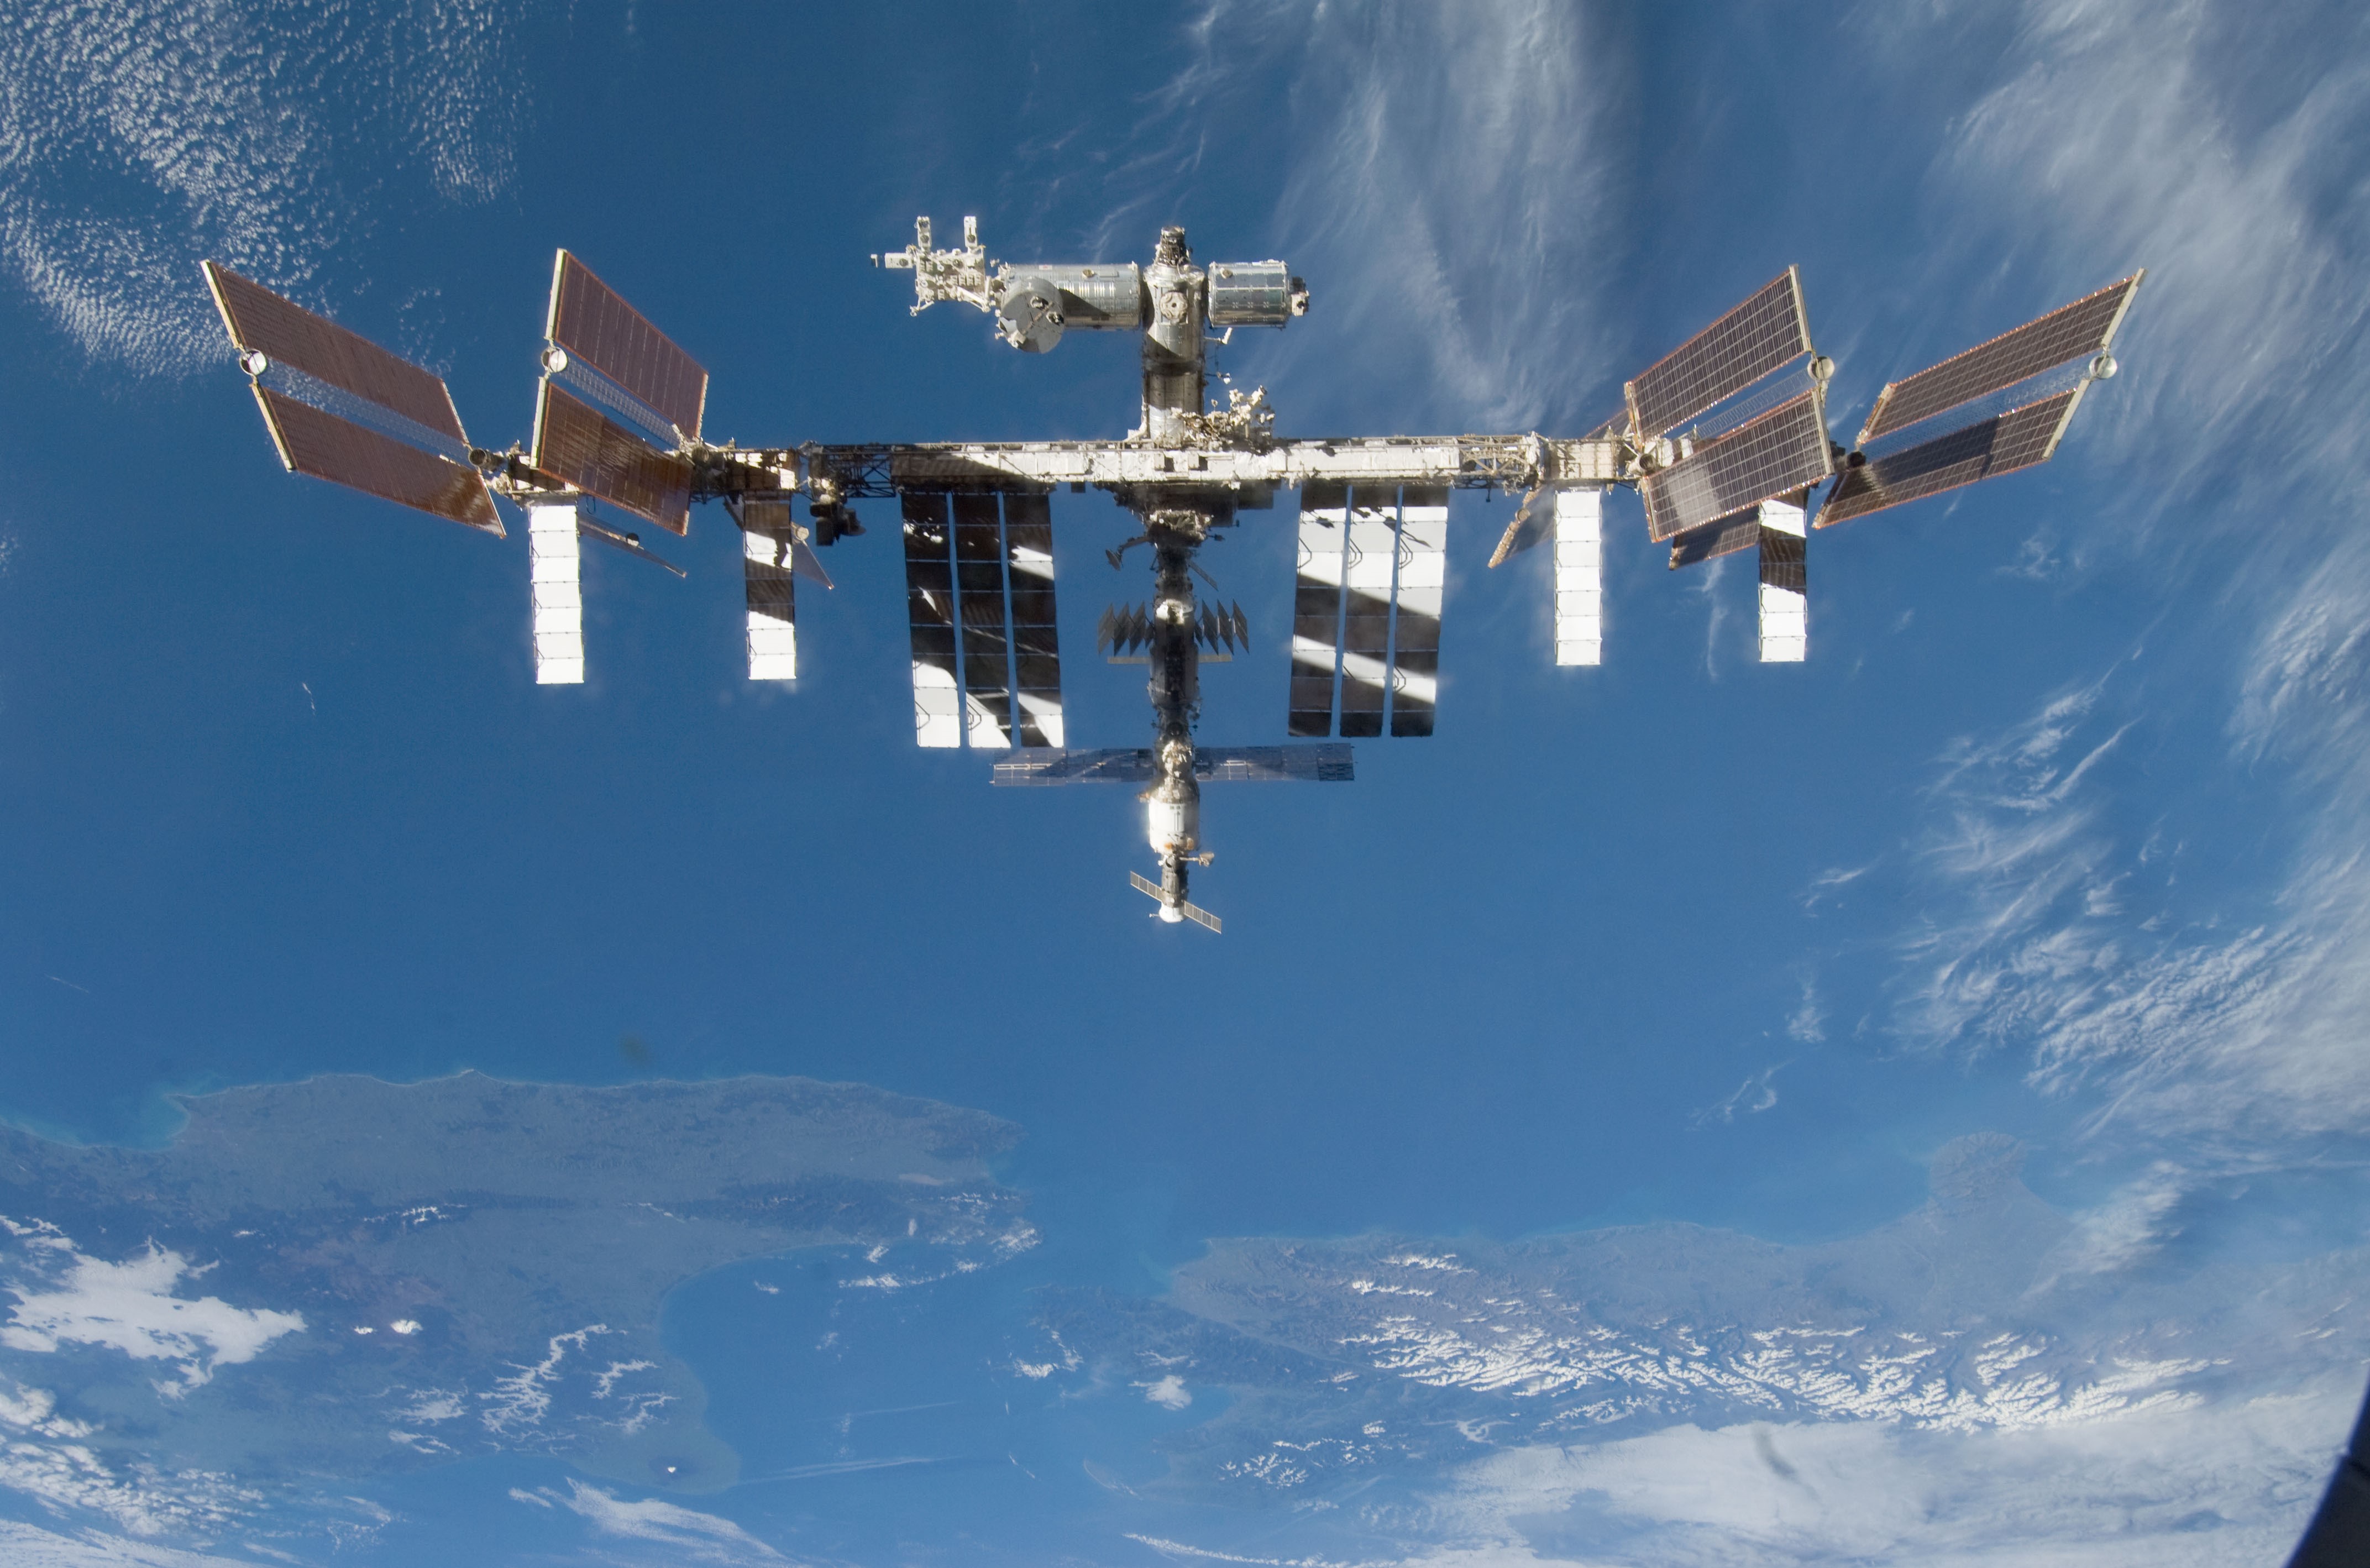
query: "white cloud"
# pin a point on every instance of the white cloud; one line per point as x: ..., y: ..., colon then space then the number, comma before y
x: 519, y: 1402
x: 2050, y: 930
x: 208, y: 126
x: 27, y: 1546
x: 1178, y: 1549
x: 35, y: 1410
x: 2125, y: 132
x: 1755, y: 1095
x: 1450, y: 174
x: 1808, y: 1022
x: 687, y: 1535
x: 2128, y: 1227
x: 2217, y: 142
x: 2201, y: 1485
x: 141, y: 1498
x: 130, y: 1307
x: 432, y: 1405
x: 1169, y: 1392
x: 46, y: 1455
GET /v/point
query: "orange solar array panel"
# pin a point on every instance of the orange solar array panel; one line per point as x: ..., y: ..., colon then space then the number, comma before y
x: 593, y: 322
x: 328, y: 448
x: 1785, y: 449
x: 291, y: 335
x: 575, y: 442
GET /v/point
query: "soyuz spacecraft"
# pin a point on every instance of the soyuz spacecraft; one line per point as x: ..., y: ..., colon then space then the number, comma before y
x: 1724, y: 438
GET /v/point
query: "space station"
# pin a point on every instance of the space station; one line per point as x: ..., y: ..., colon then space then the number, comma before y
x: 1724, y: 440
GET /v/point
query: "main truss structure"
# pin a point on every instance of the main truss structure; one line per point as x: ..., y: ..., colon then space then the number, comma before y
x: 1724, y: 438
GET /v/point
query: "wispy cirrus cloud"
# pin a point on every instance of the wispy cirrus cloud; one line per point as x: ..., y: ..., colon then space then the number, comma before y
x: 686, y: 1535
x: 29, y: 1546
x: 2053, y: 929
x: 47, y: 1456
x: 2205, y: 140
x: 1755, y: 1094
x: 2217, y: 145
x: 1445, y: 173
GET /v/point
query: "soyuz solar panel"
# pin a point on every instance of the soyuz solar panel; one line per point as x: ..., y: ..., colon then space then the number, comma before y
x: 1326, y: 763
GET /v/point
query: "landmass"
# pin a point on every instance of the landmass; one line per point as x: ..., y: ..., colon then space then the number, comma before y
x: 341, y: 1277
x: 1350, y: 1361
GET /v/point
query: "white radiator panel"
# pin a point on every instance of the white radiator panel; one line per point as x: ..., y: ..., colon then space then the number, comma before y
x: 1785, y: 602
x: 554, y: 582
x: 1578, y: 576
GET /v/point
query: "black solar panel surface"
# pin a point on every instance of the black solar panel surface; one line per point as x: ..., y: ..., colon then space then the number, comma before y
x: 1036, y: 638
x: 1785, y: 562
x: 2073, y: 331
x: 1785, y: 449
x: 1729, y: 535
x: 2001, y: 446
x: 769, y: 585
x: 929, y: 582
x: 1723, y: 359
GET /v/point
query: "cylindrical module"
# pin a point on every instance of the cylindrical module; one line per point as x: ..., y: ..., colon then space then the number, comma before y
x: 1173, y: 822
x: 1172, y: 342
x: 1092, y: 299
x: 1251, y: 294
